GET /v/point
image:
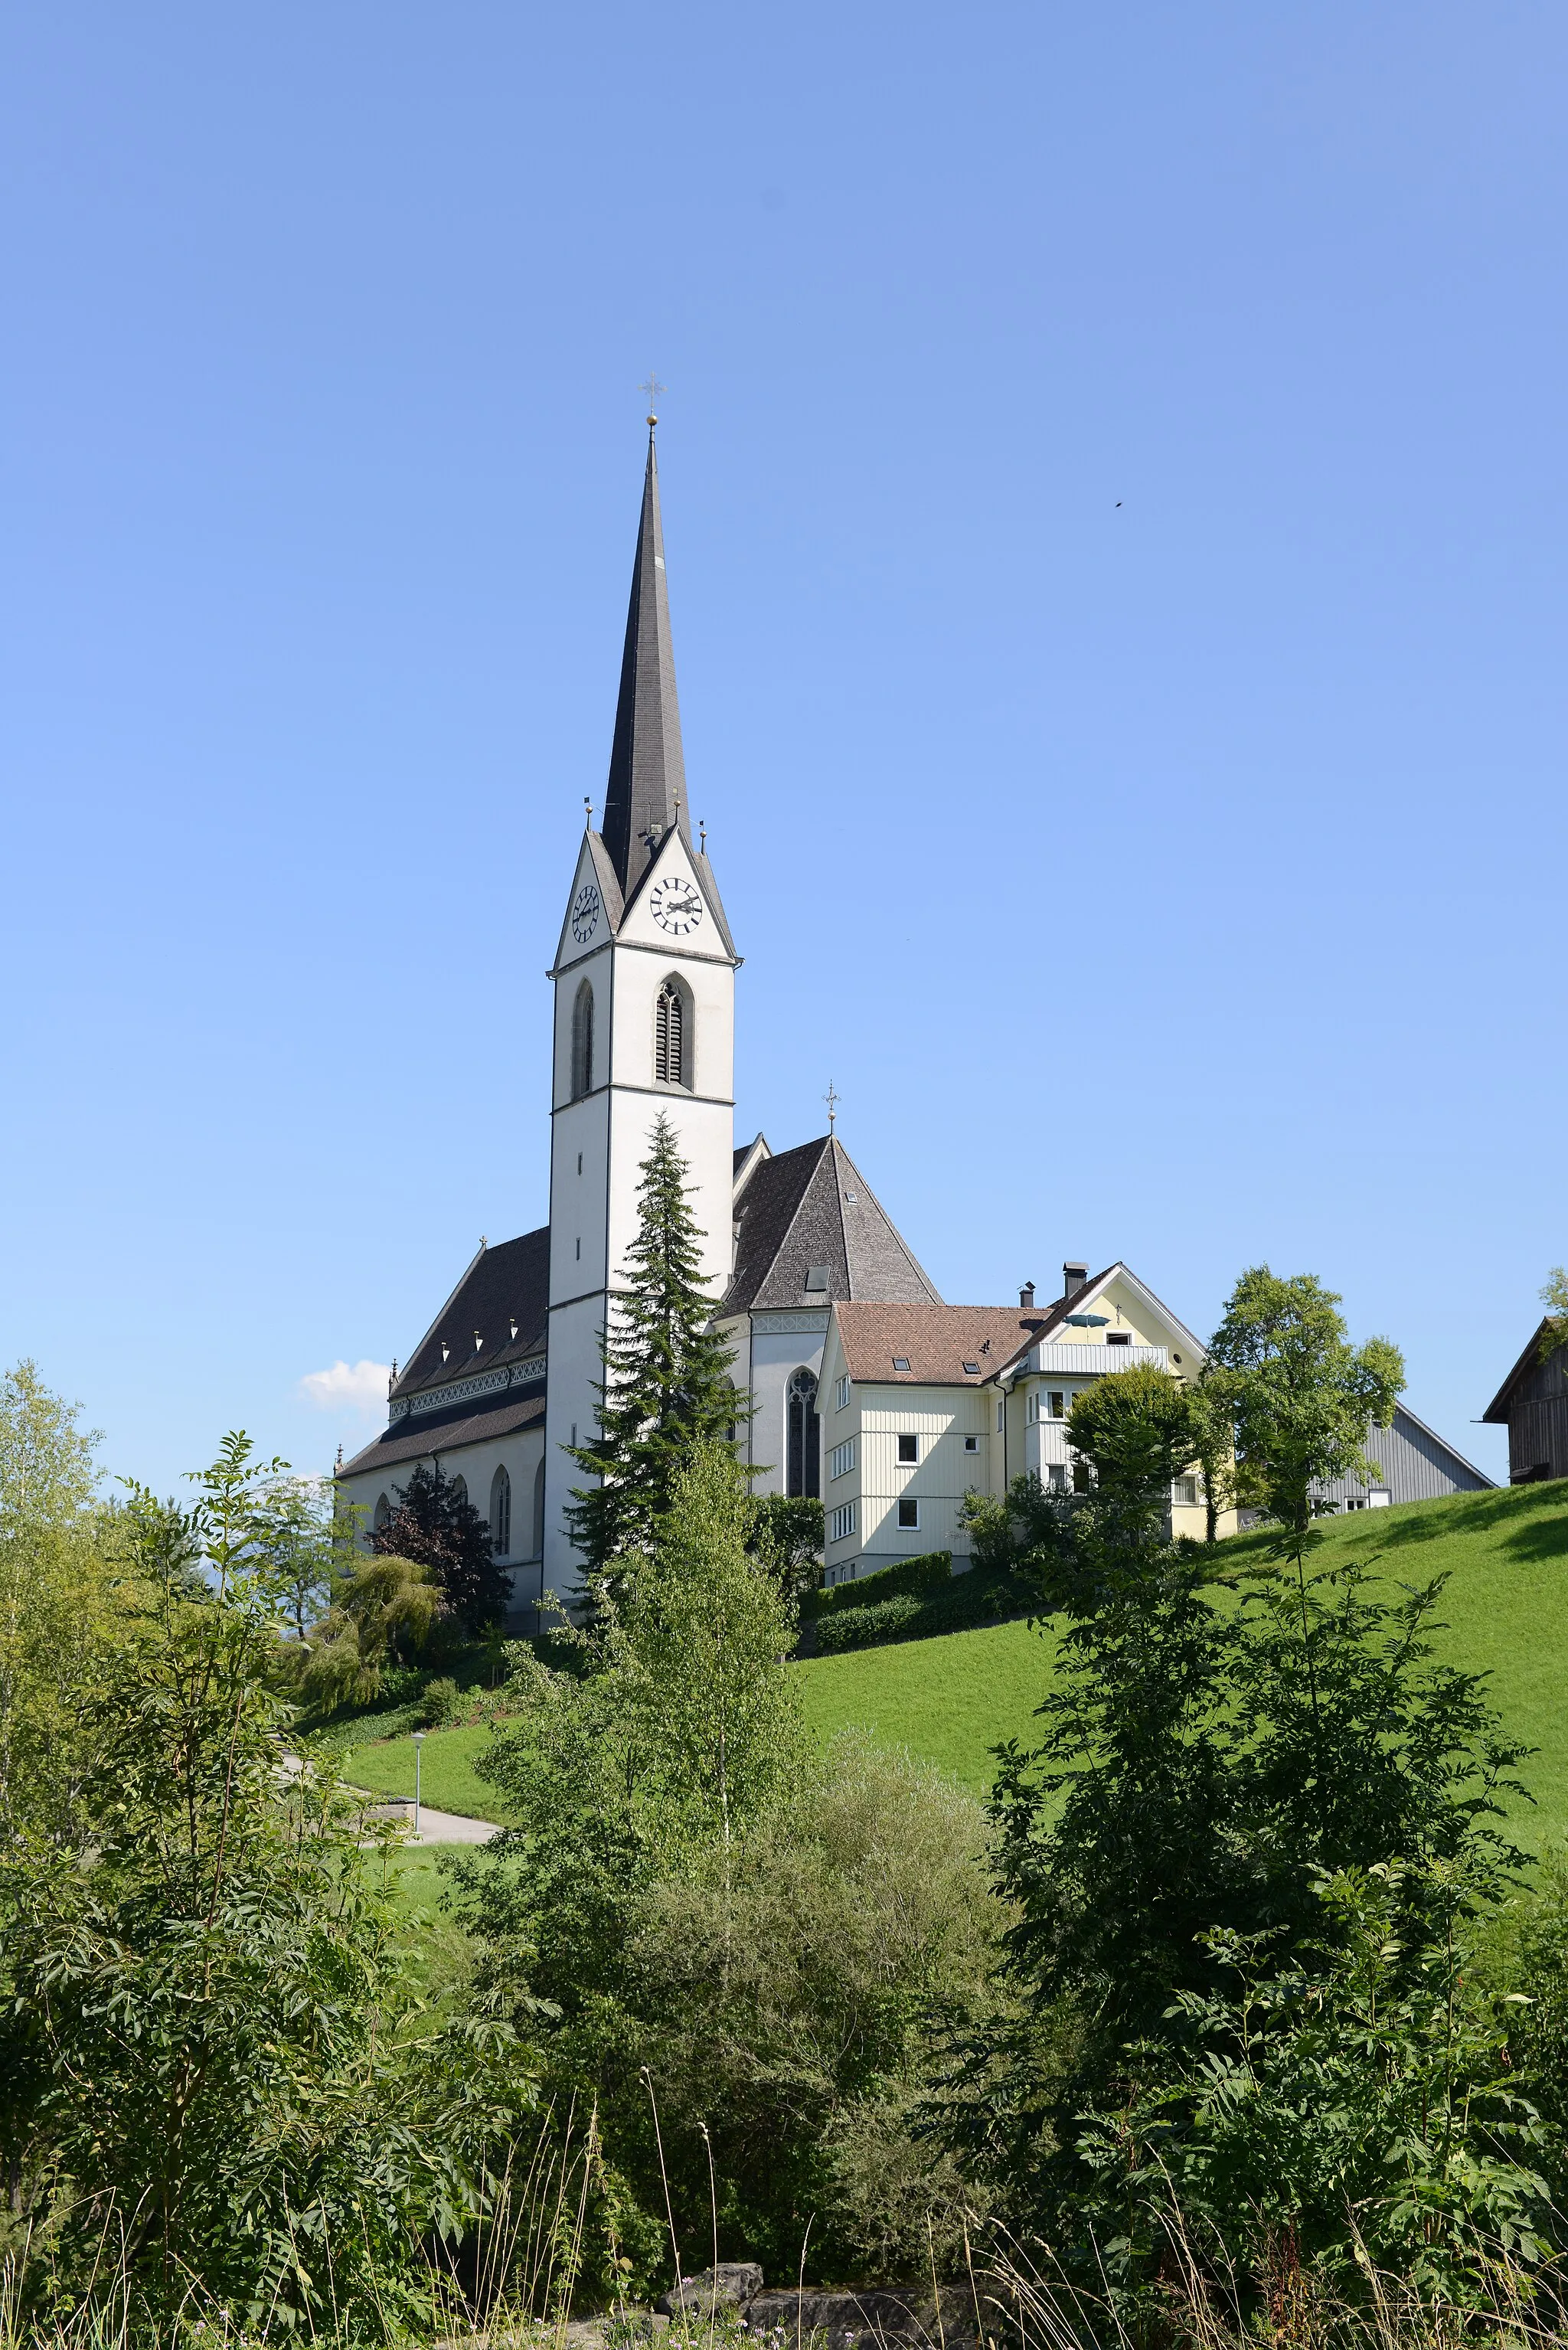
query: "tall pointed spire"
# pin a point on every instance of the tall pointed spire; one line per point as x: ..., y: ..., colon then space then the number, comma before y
x: 647, y: 786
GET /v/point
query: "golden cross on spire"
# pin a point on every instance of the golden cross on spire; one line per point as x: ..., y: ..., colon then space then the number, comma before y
x: 652, y: 387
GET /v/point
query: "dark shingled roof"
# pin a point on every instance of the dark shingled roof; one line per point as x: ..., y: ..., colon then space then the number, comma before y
x: 443, y: 1432
x: 811, y: 1207
x: 512, y: 1280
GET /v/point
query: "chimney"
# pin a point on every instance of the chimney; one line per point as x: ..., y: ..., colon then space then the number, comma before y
x: 1074, y: 1277
x: 1027, y: 1296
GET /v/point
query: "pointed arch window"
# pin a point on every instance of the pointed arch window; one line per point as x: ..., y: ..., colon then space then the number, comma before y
x: 500, y: 1513
x: 582, y: 1041
x: 672, y: 1036
x: 383, y: 1514
x: 803, y: 1438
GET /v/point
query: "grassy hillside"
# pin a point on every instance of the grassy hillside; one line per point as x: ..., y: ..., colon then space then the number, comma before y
x: 949, y: 1700
x: 448, y: 1780
x: 1505, y: 1612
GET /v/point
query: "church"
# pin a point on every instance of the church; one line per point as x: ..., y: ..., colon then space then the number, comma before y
x: 869, y: 1390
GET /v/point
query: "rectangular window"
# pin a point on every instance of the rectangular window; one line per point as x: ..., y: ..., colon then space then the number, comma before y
x: 971, y: 1370
x: 841, y: 1396
x: 841, y: 1459
x: 1058, y: 1404
x: 841, y: 1524
x: 1119, y: 1338
x: 1184, y: 1493
x: 908, y: 1516
x: 972, y: 1444
x: 909, y: 1447
x: 1058, y: 1476
x: 901, y: 1362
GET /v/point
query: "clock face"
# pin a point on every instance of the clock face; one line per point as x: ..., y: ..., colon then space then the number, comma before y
x: 584, y: 913
x: 676, y: 906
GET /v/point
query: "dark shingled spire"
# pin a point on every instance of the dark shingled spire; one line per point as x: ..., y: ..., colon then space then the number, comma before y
x: 647, y: 772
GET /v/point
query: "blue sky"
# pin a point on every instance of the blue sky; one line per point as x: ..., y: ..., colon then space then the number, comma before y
x: 1115, y: 492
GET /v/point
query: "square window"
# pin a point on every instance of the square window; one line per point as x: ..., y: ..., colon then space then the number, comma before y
x: 901, y: 1362
x: 841, y: 1525
x: 1184, y: 1493
x: 909, y: 1515
x: 972, y: 1444
x: 909, y: 1447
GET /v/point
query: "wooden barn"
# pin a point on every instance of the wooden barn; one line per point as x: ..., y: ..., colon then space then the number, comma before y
x: 1532, y: 1405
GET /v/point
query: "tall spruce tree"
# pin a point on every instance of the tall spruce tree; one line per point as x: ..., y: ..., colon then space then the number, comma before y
x: 666, y: 1390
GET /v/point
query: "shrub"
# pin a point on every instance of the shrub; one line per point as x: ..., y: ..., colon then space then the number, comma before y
x: 443, y: 1702
x: 861, y: 1627
x: 212, y: 2052
x: 918, y: 1575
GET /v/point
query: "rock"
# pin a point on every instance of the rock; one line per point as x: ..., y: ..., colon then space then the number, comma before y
x: 734, y: 2285
x: 868, y: 2319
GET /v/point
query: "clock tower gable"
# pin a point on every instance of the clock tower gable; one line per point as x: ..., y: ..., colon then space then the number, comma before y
x: 593, y: 905
x: 675, y: 907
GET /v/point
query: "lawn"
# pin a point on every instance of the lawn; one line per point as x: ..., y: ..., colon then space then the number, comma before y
x: 949, y: 1700
x: 1505, y: 1612
x: 448, y: 1780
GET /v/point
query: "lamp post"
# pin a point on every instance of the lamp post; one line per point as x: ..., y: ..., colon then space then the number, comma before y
x: 418, y: 1741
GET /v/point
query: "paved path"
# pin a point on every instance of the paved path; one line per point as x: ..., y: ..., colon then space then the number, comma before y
x: 435, y: 1827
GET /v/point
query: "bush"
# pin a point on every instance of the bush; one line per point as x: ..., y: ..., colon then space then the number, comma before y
x: 862, y: 1628
x: 954, y: 1605
x: 915, y: 1575
x: 442, y: 1703
x: 213, y: 2054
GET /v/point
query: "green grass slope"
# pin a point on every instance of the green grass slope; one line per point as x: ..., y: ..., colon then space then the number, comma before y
x: 947, y: 1701
x: 448, y: 1780
x: 1504, y: 1612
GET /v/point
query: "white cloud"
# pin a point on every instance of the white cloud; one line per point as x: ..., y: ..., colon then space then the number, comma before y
x: 349, y: 1387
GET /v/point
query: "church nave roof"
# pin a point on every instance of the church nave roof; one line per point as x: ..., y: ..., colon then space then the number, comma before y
x: 505, y: 1286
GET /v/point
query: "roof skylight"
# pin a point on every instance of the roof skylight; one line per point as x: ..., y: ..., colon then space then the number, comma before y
x: 901, y: 1362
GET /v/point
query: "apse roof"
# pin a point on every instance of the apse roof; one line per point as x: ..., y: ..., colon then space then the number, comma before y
x: 809, y: 1213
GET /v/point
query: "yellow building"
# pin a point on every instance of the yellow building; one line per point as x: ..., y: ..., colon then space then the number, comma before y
x: 923, y: 1403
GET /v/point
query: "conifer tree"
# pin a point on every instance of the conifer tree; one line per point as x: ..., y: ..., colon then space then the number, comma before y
x: 666, y: 1389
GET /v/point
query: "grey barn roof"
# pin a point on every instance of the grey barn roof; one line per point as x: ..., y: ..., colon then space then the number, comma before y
x: 510, y: 1281
x: 811, y: 1208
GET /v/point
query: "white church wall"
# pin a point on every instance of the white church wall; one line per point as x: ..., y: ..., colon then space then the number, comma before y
x: 580, y: 1155
x: 575, y: 1364
x: 780, y: 1345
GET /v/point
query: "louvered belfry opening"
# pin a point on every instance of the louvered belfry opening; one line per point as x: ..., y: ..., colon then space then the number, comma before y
x: 669, y: 1036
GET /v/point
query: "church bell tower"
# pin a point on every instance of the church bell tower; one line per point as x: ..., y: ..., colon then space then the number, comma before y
x: 645, y: 1003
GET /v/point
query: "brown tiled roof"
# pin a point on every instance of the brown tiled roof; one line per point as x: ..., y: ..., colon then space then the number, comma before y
x: 422, y: 1439
x: 936, y: 1341
x: 812, y: 1207
x: 511, y: 1280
